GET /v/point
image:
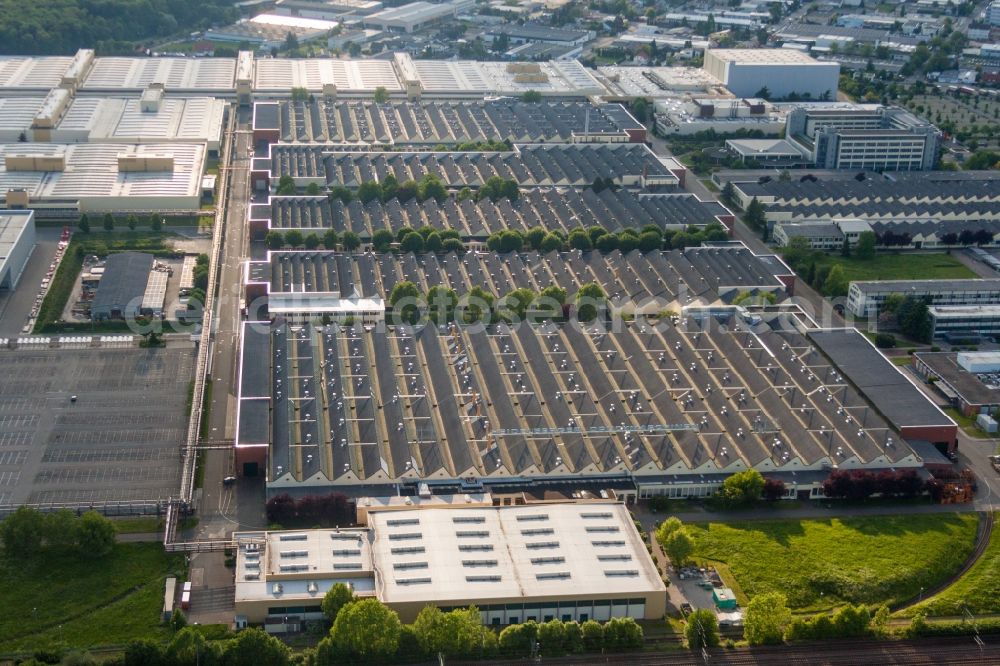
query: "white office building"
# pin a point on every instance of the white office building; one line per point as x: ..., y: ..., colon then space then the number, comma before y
x: 865, y: 299
x: 863, y: 137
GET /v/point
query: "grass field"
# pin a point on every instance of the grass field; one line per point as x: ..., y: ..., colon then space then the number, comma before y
x: 911, y: 266
x: 978, y: 590
x: 61, y: 598
x: 819, y: 564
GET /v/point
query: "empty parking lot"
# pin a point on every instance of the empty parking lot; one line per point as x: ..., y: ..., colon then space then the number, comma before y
x: 119, y: 442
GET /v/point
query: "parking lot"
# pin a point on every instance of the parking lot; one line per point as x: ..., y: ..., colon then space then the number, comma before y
x: 118, y: 442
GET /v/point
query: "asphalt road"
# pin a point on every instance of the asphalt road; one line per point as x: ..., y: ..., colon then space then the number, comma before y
x: 222, y: 510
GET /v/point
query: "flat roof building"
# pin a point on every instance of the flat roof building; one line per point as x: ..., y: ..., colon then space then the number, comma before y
x: 969, y: 380
x: 177, y: 75
x: 965, y: 323
x: 122, y: 288
x: 267, y: 30
x: 17, y: 241
x: 531, y: 32
x: 569, y: 561
x: 782, y: 71
x: 892, y: 394
x: 865, y: 298
x: 415, y: 15
x: 102, y: 177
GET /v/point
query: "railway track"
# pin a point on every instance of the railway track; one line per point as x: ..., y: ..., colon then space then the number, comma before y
x: 951, y: 651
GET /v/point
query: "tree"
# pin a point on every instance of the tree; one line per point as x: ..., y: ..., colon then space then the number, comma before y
x: 667, y: 527
x: 22, y: 532
x: 678, y: 546
x: 532, y: 96
x: 702, y: 629
x: 350, y: 240
x: 550, y: 639
x: 336, y: 598
x: 572, y: 637
x: 311, y: 241
x: 477, y: 305
x: 369, y: 191
x: 433, y: 242
x: 300, y: 94
x: 132, y: 221
x: 728, y: 194
x: 622, y: 632
x: 510, y: 241
x: 382, y: 240
x: 143, y: 652
x: 274, y: 240
x: 340, y: 193
x: 84, y: 224
x: 366, y: 630
x: 109, y: 222
x: 593, y: 635
x: 286, y: 185
x: 189, y: 648
x: 519, y: 639
x: 60, y: 529
x: 412, y: 242
x: 590, y: 301
x: 835, y: 284
x: 533, y: 237
x: 381, y: 95
x: 330, y: 239
x: 845, y: 248
x: 441, y: 302
x: 257, y: 647
x: 550, y: 243
x: 774, y: 489
x: 763, y: 93
x: 431, y: 187
x: 294, y: 238
x: 865, y: 248
x: 403, y: 290
x: 579, y: 240
x: 606, y: 243
x: 291, y: 42
x: 156, y: 222
x: 95, y: 534
x: 755, y: 215
x: 650, y: 241
x: 765, y: 619
x: 742, y: 488
x: 312, y: 189
x: 514, y: 305
x: 453, y: 634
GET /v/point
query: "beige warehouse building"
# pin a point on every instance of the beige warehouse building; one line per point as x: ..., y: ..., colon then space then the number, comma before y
x: 570, y: 561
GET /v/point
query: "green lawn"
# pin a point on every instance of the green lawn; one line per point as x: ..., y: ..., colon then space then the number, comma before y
x: 978, y: 590
x: 62, y: 598
x: 966, y: 423
x: 858, y: 560
x: 900, y: 267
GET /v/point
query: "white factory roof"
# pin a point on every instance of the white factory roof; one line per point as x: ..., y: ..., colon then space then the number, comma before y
x: 765, y: 57
x: 563, y: 77
x: 33, y: 72
x: 16, y: 113
x: 481, y: 553
x: 91, y: 172
x: 271, y: 571
x: 176, y: 74
x: 12, y: 225
x: 413, y: 12
x: 658, y: 81
x: 117, y: 120
x: 282, y: 74
x: 293, y: 22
